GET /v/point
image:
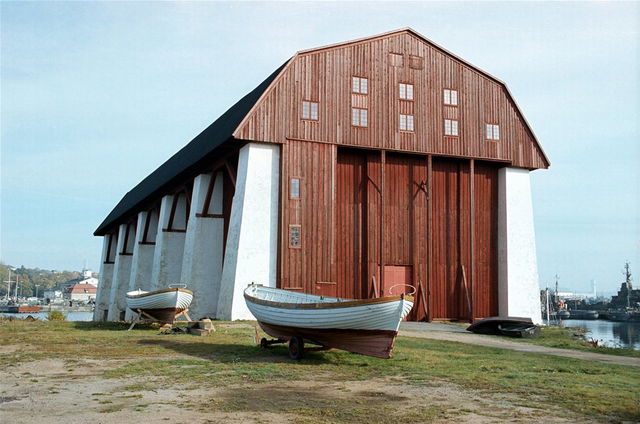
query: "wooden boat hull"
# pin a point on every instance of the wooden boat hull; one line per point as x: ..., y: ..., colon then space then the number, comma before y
x: 506, y: 326
x: 519, y: 330
x: 367, y: 326
x: 162, y: 305
x: 376, y: 343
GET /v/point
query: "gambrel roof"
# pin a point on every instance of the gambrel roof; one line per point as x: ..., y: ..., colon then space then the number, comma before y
x: 204, y: 147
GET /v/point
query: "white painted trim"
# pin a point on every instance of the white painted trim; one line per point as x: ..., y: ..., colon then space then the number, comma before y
x: 518, y: 286
x: 104, y: 285
x: 142, y: 261
x: 203, y: 247
x: 167, y: 256
x: 252, y: 240
x: 121, y: 275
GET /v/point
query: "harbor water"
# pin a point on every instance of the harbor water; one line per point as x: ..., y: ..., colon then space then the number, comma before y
x: 614, y: 334
x: 71, y: 316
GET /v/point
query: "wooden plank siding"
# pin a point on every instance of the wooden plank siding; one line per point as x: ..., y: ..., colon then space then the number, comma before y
x: 382, y: 205
x: 485, y: 272
x: 324, y: 76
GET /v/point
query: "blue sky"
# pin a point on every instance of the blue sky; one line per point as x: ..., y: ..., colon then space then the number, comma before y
x: 95, y: 96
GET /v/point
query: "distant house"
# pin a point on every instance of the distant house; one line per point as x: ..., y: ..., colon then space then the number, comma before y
x: 81, y: 292
x: 52, y: 294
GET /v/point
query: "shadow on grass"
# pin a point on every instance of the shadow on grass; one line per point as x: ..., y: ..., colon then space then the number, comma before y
x: 113, y: 326
x: 231, y: 352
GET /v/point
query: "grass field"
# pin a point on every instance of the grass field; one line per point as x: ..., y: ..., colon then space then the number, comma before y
x: 335, y: 386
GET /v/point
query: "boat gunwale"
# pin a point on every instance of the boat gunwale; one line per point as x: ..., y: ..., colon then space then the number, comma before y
x: 151, y: 293
x: 327, y: 305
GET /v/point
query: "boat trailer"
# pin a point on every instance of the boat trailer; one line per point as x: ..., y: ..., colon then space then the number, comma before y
x: 296, y: 345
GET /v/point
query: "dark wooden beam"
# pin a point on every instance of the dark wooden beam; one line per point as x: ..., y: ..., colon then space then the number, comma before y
x: 472, y: 240
x: 429, y: 236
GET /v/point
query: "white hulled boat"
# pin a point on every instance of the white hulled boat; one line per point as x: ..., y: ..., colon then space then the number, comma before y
x: 366, y: 326
x: 163, y: 305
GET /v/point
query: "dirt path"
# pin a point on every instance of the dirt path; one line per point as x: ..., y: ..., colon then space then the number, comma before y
x: 78, y: 392
x: 455, y: 334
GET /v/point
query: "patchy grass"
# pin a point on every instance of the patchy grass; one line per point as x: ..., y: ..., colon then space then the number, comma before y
x: 229, y: 360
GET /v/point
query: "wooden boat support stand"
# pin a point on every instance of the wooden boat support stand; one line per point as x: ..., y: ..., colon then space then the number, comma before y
x: 143, y: 317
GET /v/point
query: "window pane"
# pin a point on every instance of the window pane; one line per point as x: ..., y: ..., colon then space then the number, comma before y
x: 454, y: 97
x: 364, y: 85
x: 403, y: 91
x: 454, y: 127
x: 447, y: 97
x: 410, y: 122
x: 294, y: 236
x: 295, y: 188
x: 364, y: 119
x: 403, y: 122
x: 489, y: 132
x: 314, y: 110
x: 496, y: 132
x: 355, y: 116
x: 305, y: 110
x: 410, y: 91
x: 355, y: 84
x: 447, y: 127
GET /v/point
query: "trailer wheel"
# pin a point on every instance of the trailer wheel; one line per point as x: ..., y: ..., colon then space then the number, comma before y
x: 296, y: 348
x: 264, y: 343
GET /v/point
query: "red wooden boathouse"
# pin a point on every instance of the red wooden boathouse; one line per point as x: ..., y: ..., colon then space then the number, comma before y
x: 353, y: 170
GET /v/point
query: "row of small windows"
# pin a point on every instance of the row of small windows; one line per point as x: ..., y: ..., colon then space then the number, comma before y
x: 360, y: 118
x: 361, y: 86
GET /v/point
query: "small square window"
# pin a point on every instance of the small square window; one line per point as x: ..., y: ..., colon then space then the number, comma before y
x: 493, y: 132
x: 310, y: 110
x: 295, y: 188
x: 406, y: 122
x: 359, y: 117
x: 451, y: 97
x: 359, y: 85
x: 294, y: 236
x: 406, y: 91
x: 451, y: 127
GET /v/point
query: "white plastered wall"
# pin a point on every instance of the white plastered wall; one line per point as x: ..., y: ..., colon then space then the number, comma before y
x: 142, y: 262
x: 203, y: 247
x: 252, y: 239
x: 518, y: 286
x: 121, y: 275
x: 104, y: 285
x: 167, y: 256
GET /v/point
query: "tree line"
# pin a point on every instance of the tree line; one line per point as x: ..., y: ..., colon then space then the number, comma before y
x: 29, y: 278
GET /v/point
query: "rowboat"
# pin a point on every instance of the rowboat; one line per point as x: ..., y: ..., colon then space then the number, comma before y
x: 506, y: 326
x: 367, y: 326
x: 161, y: 305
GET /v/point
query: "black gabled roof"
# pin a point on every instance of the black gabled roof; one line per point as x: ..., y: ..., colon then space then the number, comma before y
x: 182, y: 162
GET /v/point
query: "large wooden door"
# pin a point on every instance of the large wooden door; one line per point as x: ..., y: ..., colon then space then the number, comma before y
x: 451, y: 240
x: 405, y: 226
x: 350, y: 237
x: 485, y: 277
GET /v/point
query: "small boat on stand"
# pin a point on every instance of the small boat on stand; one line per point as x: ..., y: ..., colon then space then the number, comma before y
x: 164, y: 306
x: 366, y: 326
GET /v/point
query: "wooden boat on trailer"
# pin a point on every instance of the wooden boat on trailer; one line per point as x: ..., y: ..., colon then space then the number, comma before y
x: 366, y: 326
x: 164, y: 305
